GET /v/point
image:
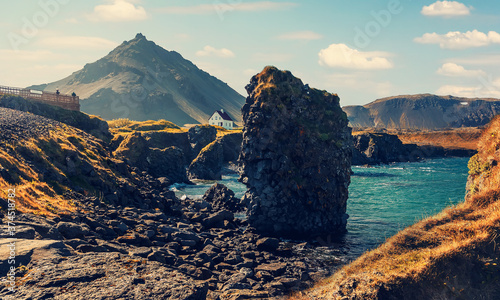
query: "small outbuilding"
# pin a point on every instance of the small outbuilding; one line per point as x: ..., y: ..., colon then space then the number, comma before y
x: 222, y: 119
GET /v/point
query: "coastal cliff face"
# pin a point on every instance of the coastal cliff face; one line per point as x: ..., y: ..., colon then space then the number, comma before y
x: 372, y: 148
x: 295, y: 157
x: 376, y: 148
x: 484, y: 171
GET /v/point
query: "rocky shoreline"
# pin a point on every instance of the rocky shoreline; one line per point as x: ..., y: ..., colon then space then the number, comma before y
x: 192, y: 250
x: 123, y: 234
x: 141, y: 242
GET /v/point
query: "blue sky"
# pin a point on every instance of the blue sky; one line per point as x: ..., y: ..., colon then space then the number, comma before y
x: 362, y: 50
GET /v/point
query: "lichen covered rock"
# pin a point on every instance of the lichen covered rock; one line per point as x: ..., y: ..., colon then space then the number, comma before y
x: 208, y: 164
x: 295, y: 158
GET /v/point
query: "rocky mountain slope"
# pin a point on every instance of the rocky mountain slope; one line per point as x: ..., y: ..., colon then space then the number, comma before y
x: 142, y: 81
x: 423, y: 111
x: 453, y: 255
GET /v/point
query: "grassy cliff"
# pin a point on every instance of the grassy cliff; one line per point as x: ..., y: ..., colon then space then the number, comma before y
x: 453, y: 255
x: 46, y: 161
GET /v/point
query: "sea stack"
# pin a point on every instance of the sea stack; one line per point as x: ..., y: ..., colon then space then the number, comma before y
x: 295, y: 158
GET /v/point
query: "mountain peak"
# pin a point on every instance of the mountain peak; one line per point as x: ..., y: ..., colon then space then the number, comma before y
x: 141, y: 80
x: 140, y: 36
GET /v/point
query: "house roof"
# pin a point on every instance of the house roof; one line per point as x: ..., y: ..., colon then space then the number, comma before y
x: 224, y: 115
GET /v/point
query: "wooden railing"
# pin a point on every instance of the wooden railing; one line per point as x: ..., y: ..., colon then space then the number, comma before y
x: 56, y: 99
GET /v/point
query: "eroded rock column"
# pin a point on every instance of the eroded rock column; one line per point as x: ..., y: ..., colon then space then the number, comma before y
x: 296, y: 157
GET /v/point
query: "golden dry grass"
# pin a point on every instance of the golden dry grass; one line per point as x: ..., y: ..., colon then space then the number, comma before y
x: 29, y: 161
x: 32, y: 195
x: 461, y: 138
x: 127, y: 126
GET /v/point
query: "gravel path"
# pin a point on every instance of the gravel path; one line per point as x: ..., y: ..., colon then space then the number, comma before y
x: 16, y: 125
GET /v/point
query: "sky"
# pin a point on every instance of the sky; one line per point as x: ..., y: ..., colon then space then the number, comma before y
x: 362, y: 50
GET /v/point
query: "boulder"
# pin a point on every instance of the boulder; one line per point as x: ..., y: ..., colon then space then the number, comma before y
x: 72, y: 231
x: 275, y: 269
x: 221, y: 197
x: 217, y: 219
x: 165, y: 139
x: 21, y: 232
x: 268, y: 244
x: 295, y: 158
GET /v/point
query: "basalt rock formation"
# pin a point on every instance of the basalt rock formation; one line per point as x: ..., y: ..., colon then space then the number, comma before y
x: 166, y: 162
x: 209, y: 163
x: 372, y: 148
x: 295, y: 157
x: 375, y: 148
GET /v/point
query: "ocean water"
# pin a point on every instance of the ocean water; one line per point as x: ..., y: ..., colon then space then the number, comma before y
x: 382, y: 199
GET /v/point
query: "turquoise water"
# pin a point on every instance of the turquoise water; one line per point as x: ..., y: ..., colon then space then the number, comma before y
x: 383, y: 199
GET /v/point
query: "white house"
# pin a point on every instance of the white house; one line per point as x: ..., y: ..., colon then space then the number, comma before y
x: 222, y: 119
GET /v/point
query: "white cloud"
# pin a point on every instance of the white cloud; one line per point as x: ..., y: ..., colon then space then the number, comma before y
x: 305, y: 35
x: 78, y: 42
x: 446, y: 9
x: 8, y: 55
x: 118, y: 11
x: 340, y: 55
x: 220, y: 8
x: 460, y: 40
x: 211, y: 51
x: 484, y: 90
x: 454, y: 70
x: 483, y: 59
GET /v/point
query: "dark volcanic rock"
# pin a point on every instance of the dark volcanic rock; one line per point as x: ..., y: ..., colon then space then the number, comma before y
x: 167, y: 162
x: 220, y: 197
x: 200, y: 136
x: 212, y: 158
x: 295, y: 158
x: 231, y: 145
x: 164, y: 139
x: 376, y: 148
x: 371, y: 148
x: 208, y: 164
